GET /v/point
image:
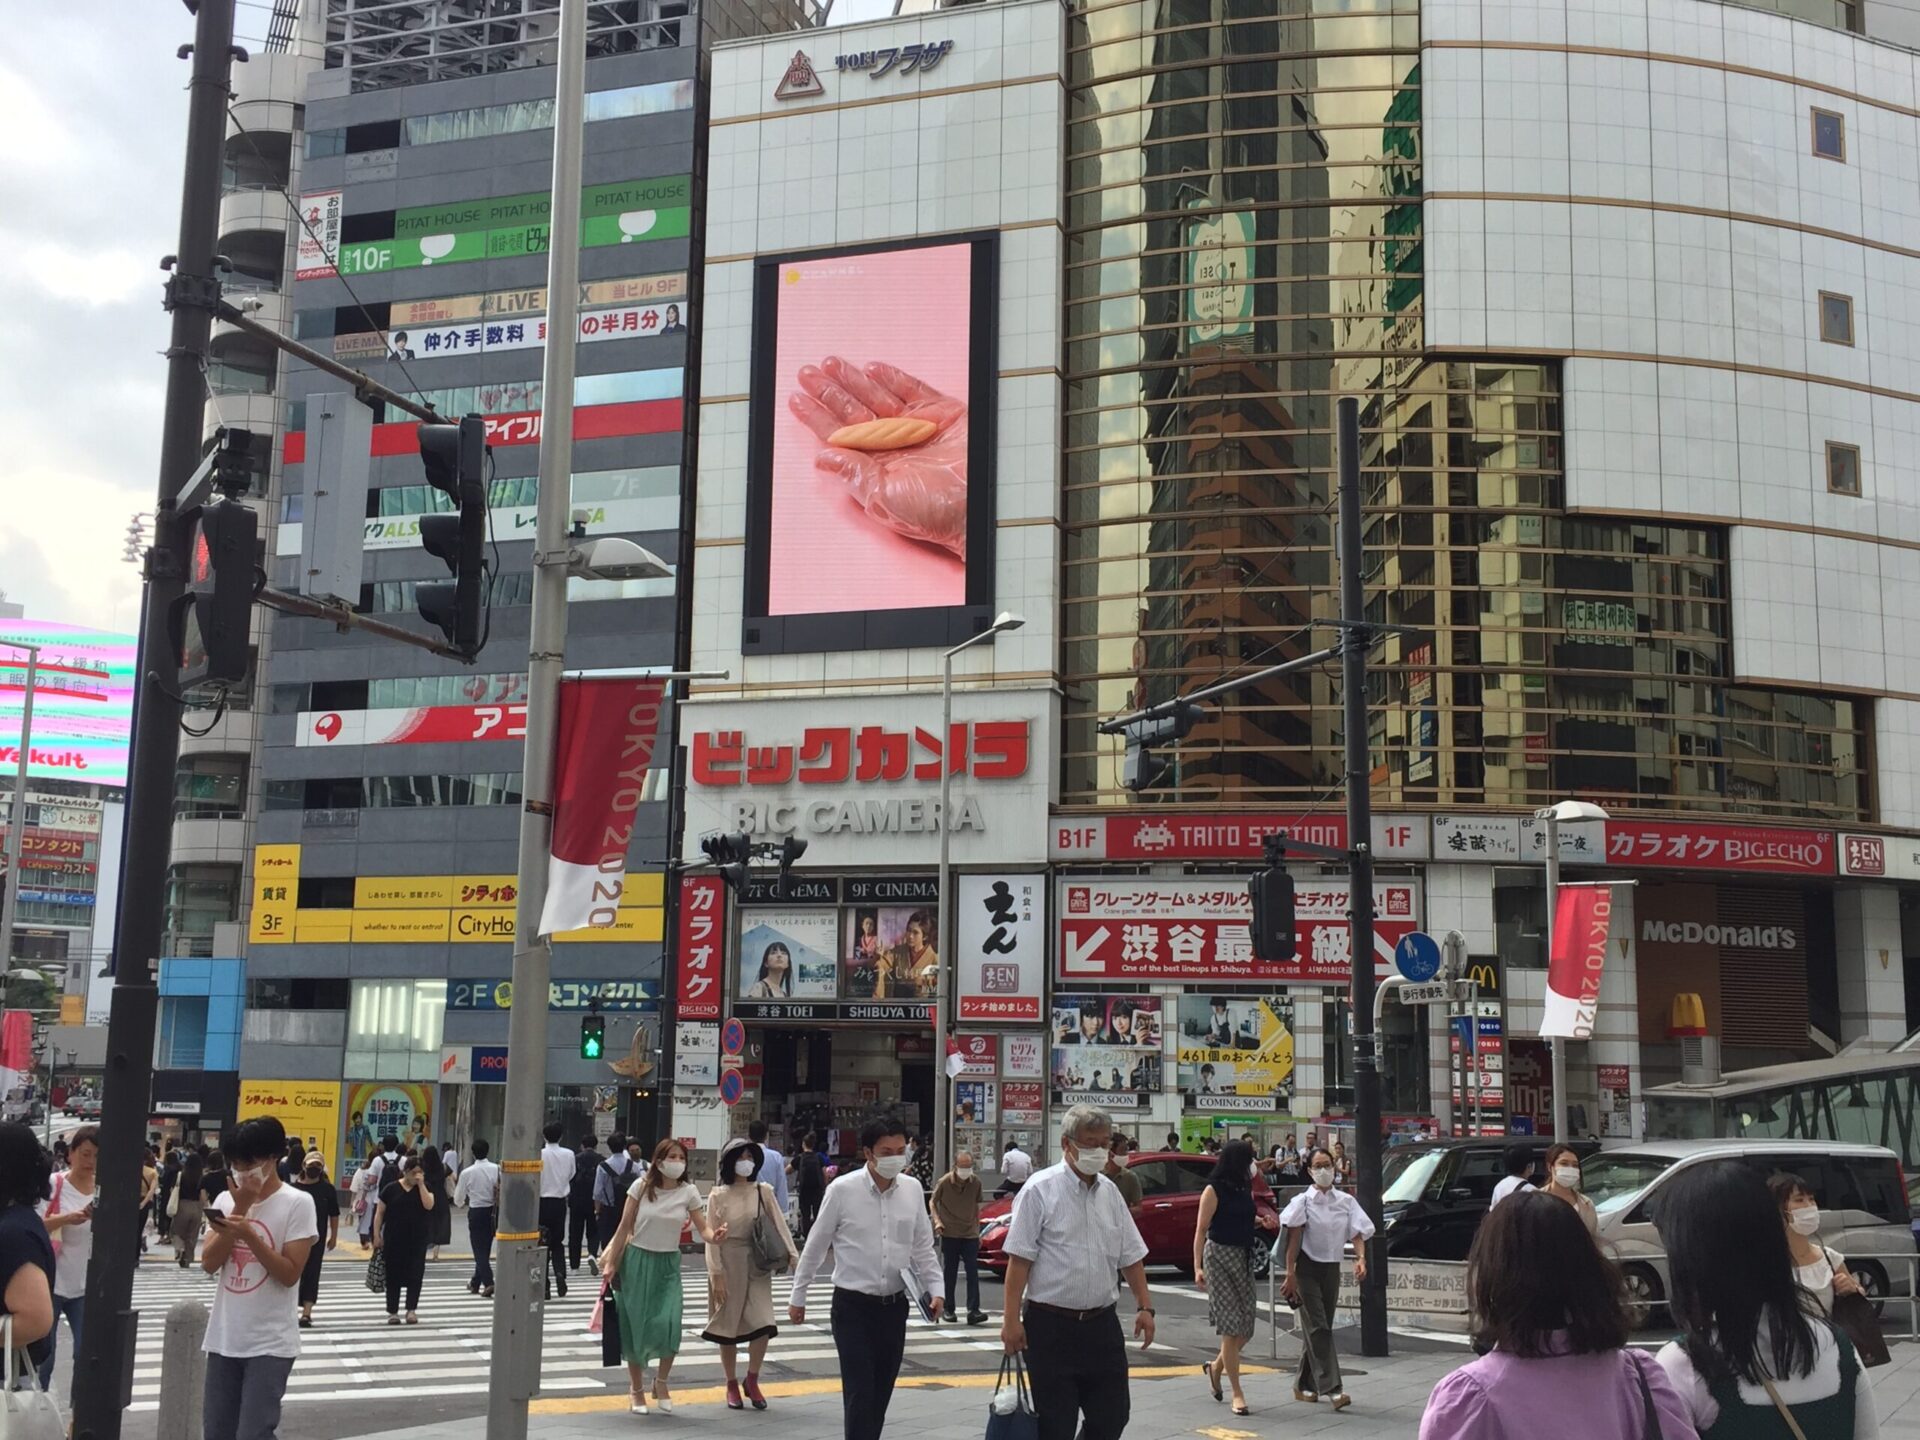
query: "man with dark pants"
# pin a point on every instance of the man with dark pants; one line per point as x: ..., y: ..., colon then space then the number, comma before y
x: 580, y: 1229
x: 556, y: 1183
x: 479, y: 1190
x: 874, y: 1221
x: 956, y: 1220
x: 1071, y: 1232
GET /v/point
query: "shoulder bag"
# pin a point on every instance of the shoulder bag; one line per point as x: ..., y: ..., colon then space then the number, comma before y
x: 770, y: 1253
x: 1651, y: 1426
x: 53, y: 1209
x: 26, y: 1411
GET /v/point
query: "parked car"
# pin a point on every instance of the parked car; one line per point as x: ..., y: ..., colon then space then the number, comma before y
x: 83, y: 1107
x: 1861, y: 1191
x: 1434, y: 1193
x: 1171, y: 1184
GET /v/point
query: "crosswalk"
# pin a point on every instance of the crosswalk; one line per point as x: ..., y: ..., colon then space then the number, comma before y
x: 351, y: 1353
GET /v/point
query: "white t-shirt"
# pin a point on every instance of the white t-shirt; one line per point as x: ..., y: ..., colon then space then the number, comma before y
x: 1823, y: 1382
x: 1506, y: 1187
x: 658, y: 1222
x: 74, y: 1243
x: 253, y: 1314
x: 1017, y: 1166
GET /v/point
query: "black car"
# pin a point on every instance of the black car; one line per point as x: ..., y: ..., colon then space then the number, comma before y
x: 1434, y: 1192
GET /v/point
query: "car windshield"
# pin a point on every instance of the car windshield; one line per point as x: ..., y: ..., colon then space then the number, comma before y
x: 1613, y: 1181
x: 1407, y: 1173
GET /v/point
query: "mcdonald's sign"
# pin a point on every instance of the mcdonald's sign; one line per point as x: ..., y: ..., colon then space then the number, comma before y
x: 1485, y: 973
x: 1687, y: 1015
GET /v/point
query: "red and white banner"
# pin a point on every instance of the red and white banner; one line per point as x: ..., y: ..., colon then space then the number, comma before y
x: 697, y: 957
x: 521, y: 427
x: 1688, y: 845
x: 979, y: 1055
x: 1581, y: 919
x: 1023, y: 1102
x: 607, y: 734
x: 1200, y: 931
x: 319, y: 244
x: 419, y: 725
x: 16, y: 1049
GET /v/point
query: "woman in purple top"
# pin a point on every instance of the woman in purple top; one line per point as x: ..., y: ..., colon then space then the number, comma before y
x: 1554, y: 1311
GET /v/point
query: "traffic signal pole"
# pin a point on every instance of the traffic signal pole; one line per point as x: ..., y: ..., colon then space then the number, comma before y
x: 514, y: 1377
x: 192, y: 293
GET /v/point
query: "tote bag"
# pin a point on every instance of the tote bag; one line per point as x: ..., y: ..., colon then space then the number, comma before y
x: 27, y: 1413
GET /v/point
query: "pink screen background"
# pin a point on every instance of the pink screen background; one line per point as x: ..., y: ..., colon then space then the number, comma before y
x: 910, y: 308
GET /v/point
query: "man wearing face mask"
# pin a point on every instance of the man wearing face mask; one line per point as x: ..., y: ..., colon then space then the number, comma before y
x: 956, y: 1220
x: 1319, y: 1222
x: 874, y: 1221
x: 1071, y: 1233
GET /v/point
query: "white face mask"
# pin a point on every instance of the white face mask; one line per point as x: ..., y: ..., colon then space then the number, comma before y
x: 1323, y: 1177
x: 1090, y: 1162
x: 745, y: 1168
x: 253, y: 1175
x: 1567, y: 1177
x: 889, y: 1167
x: 1805, y: 1220
x: 965, y: 1172
x: 673, y: 1169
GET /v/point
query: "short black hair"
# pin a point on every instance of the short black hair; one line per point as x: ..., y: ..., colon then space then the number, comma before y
x: 1519, y: 1159
x: 554, y: 1131
x: 757, y: 1131
x: 880, y: 1128
x: 587, y: 1142
x: 389, y: 1141
x: 480, y: 1149
x: 83, y: 1135
x: 261, y: 1138
x: 26, y: 1170
x: 617, y: 1141
x: 1535, y: 1272
x: 1783, y: 1185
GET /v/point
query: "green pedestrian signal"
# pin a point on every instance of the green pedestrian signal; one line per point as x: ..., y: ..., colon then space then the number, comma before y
x: 593, y: 1037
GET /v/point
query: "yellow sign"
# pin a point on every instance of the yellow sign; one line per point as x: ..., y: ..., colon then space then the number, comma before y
x: 1236, y: 1048
x: 309, y: 1109
x: 402, y: 892
x: 276, y: 893
x: 397, y: 927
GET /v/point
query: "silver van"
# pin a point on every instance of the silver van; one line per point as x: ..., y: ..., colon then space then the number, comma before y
x: 1860, y: 1190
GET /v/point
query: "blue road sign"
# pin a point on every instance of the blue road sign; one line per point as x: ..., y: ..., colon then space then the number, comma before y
x: 732, y: 1086
x: 1417, y: 956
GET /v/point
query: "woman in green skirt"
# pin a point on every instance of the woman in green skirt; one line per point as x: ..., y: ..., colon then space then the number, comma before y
x: 643, y: 1262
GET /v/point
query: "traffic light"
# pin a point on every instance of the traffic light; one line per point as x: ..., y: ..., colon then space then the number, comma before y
x: 791, y: 849
x: 593, y: 1036
x: 1271, y: 892
x: 731, y: 854
x: 1140, y: 770
x: 211, y: 622
x: 455, y: 458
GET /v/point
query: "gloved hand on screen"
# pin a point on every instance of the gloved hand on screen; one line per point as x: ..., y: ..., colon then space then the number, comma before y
x: 917, y: 490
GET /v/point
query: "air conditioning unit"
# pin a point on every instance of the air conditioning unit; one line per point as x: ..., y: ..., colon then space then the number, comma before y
x: 1699, y: 1059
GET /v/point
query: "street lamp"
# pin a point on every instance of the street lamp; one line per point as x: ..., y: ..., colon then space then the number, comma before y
x: 942, y: 996
x: 1567, y: 812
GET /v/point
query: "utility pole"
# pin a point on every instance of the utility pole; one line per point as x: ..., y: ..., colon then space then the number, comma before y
x: 17, y: 816
x: 1355, y: 638
x: 518, y: 1312
x: 192, y: 292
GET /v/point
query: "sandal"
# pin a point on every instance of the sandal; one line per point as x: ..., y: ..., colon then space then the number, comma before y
x: 1213, y: 1381
x: 1240, y: 1408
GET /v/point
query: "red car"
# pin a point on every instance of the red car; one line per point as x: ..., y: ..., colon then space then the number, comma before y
x: 1171, y: 1184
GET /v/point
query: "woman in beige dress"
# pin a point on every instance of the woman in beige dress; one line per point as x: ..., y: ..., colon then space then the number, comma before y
x: 740, y: 1298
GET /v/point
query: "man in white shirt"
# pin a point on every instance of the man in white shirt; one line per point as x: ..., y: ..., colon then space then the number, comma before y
x: 479, y: 1190
x: 1071, y: 1232
x: 258, y: 1237
x: 878, y: 1217
x: 556, y: 1183
x: 1016, y: 1168
x: 1519, y: 1161
x: 69, y: 1219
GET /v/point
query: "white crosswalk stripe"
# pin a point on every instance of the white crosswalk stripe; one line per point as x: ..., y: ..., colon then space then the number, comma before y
x: 352, y: 1353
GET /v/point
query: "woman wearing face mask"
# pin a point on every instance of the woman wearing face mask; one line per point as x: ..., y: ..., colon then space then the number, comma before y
x: 1563, y: 1183
x: 1817, y: 1270
x: 642, y: 1261
x: 315, y: 1183
x: 1224, y: 1237
x: 740, y: 1304
x: 403, y: 1228
x: 1320, y: 1222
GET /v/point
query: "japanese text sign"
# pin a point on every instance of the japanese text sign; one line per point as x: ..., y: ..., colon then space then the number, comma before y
x: 699, y: 954
x: 1000, y: 939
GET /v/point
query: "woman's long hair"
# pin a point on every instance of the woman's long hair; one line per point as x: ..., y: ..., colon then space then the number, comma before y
x: 1534, y: 1272
x: 1733, y: 1275
x: 433, y: 1173
x: 786, y: 980
x: 1233, y: 1170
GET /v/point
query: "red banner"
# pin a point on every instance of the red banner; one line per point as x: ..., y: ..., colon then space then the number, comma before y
x: 697, y: 955
x: 419, y: 725
x: 607, y: 734
x: 1581, y: 919
x: 590, y: 422
x: 1687, y: 845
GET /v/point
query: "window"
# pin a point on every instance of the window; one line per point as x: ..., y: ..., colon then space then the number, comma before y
x: 210, y: 787
x: 299, y: 994
x: 1829, y: 134
x: 198, y: 898
x: 1836, y: 318
x: 1843, y: 468
x: 183, y: 1033
x: 394, y: 1029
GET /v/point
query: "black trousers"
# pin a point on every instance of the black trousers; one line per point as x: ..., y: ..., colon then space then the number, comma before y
x: 553, y: 1229
x: 482, y: 1223
x: 579, y: 1229
x: 406, y: 1270
x: 310, y: 1273
x: 810, y: 1207
x: 1078, y: 1366
x: 954, y: 1254
x: 870, y: 1332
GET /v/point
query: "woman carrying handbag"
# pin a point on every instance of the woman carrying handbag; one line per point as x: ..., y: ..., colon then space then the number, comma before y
x: 740, y: 1306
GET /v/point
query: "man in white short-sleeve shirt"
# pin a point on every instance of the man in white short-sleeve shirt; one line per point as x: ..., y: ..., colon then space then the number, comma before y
x: 258, y: 1237
x: 1071, y: 1234
x: 1519, y: 1160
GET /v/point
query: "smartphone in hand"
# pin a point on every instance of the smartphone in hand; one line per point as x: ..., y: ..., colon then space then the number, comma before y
x: 216, y: 1219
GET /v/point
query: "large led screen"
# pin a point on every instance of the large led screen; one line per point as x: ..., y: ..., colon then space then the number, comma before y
x: 870, y: 472
x: 82, y: 702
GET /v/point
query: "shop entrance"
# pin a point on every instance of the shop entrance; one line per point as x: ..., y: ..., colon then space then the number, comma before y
x: 830, y: 1080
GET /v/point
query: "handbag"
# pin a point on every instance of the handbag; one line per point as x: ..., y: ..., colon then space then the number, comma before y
x: 608, y: 1309
x: 1651, y: 1429
x: 377, y: 1273
x: 770, y: 1253
x: 26, y: 1411
x: 1011, y: 1415
x: 1853, y: 1317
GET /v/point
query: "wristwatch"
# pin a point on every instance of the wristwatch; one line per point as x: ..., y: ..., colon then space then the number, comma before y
x: 1144, y: 1310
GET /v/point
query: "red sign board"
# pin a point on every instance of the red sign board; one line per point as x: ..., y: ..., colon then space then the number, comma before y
x: 1023, y: 1102
x: 1191, y: 837
x: 590, y: 422
x: 979, y: 1055
x: 419, y: 725
x: 864, y: 754
x: 698, y: 955
x: 1691, y: 845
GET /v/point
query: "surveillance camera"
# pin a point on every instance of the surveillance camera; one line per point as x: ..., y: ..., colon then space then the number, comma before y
x: 253, y: 303
x: 611, y: 558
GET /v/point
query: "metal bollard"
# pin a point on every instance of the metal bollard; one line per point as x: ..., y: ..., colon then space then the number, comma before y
x: 183, y: 1372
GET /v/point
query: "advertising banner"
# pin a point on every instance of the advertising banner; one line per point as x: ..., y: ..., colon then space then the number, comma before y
x: 417, y: 725
x: 1235, y: 1051
x: 1107, y: 1046
x: 696, y: 1053
x: 318, y: 246
x: 520, y: 427
x: 1104, y: 1075
x: 1023, y: 1057
x: 499, y: 335
x: 1131, y: 1022
x: 624, y: 516
x: 1022, y: 1102
x: 607, y: 734
x: 82, y: 702
x: 1171, y: 835
x: 309, y: 1109
x: 789, y: 955
x: 630, y: 995
x: 974, y: 1102
x: 16, y: 1050
x: 392, y: 1107
x: 1693, y: 845
x: 1001, y: 947
x: 1197, y: 930
x: 701, y: 926
x: 978, y: 1055
x: 889, y: 953
x: 1581, y: 919
x: 66, y: 814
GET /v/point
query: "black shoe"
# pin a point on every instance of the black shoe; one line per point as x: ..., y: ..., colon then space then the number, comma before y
x: 977, y: 1317
x: 486, y: 1292
x: 473, y: 1287
x: 563, y: 1289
